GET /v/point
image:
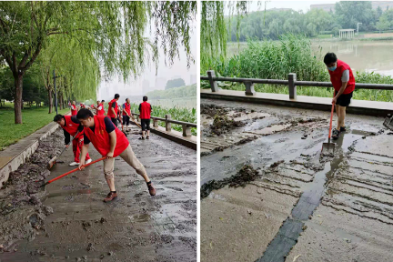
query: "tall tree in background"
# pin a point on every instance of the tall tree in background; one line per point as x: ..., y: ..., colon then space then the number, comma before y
x: 112, y: 31
x: 214, y: 31
x: 352, y: 12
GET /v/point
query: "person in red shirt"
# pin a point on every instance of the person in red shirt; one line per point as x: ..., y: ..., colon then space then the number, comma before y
x: 343, y: 82
x: 72, y: 127
x: 126, y: 112
x: 110, y: 142
x: 99, y: 108
x: 144, y: 114
x: 74, y: 110
x: 113, y: 109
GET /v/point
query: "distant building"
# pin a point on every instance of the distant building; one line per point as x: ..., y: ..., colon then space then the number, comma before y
x: 375, y: 4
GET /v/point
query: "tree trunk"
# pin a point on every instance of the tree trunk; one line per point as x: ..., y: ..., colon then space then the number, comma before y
x: 50, y: 101
x: 18, y: 98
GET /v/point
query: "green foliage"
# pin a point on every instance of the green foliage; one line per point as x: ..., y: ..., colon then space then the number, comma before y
x: 274, y: 60
x: 177, y: 92
x: 178, y: 82
x: 180, y: 114
x: 35, y: 118
x: 386, y: 20
x: 213, y: 36
x: 271, y: 24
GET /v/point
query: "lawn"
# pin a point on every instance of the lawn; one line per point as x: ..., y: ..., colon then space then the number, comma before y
x: 33, y: 119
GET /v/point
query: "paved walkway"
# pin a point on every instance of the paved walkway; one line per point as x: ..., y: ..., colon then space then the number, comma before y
x: 135, y: 227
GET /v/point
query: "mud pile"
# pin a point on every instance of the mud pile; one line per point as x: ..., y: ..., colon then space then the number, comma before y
x: 222, y: 124
x: 21, y: 210
x: 245, y: 175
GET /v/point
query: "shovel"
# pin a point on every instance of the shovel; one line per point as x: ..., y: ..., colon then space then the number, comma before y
x: 328, y: 148
x: 72, y: 171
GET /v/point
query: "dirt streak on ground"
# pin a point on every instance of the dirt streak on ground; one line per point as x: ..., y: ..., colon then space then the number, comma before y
x: 135, y: 227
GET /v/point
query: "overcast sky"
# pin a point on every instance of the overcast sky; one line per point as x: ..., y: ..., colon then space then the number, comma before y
x: 295, y: 5
x: 133, y: 87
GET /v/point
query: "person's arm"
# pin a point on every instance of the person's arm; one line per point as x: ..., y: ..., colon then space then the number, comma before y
x: 140, y: 105
x: 113, y: 109
x: 112, y: 137
x: 67, y: 138
x: 85, y: 150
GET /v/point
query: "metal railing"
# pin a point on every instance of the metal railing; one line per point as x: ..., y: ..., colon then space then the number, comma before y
x: 186, y: 127
x: 291, y: 83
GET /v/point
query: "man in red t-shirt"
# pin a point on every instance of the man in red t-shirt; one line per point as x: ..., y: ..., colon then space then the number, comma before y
x: 111, y: 142
x: 72, y: 127
x: 74, y: 110
x: 113, y: 109
x: 126, y: 112
x: 343, y: 82
x: 99, y: 108
x: 144, y: 114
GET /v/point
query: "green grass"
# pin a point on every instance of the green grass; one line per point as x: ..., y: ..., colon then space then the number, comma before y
x: 33, y: 119
x: 177, y: 113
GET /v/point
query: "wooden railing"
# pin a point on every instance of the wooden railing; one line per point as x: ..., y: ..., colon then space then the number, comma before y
x: 186, y: 127
x: 291, y: 83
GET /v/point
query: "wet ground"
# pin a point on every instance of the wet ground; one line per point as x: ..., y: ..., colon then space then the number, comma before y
x: 73, y: 224
x: 301, y: 206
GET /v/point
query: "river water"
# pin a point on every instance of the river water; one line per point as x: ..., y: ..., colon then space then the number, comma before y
x: 366, y: 56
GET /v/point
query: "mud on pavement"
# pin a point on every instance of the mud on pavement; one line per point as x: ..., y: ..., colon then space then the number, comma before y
x: 135, y: 227
x: 21, y: 209
x: 301, y: 205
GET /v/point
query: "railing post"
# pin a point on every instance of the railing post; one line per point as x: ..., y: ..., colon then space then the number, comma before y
x: 186, y: 130
x: 213, y: 83
x: 249, y: 88
x: 292, y: 86
x: 168, y: 127
x: 155, y: 123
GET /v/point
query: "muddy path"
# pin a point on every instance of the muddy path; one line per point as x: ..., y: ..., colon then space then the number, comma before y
x: 279, y: 215
x: 135, y: 227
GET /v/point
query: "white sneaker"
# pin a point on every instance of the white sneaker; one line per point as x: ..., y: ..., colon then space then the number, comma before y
x: 89, y: 161
x: 74, y: 164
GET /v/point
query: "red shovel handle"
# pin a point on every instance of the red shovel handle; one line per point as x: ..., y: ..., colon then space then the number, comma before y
x: 331, y: 120
x: 73, y: 170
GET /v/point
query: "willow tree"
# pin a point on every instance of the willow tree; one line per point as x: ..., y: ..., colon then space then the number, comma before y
x: 215, y: 28
x: 113, y: 31
x: 78, y: 70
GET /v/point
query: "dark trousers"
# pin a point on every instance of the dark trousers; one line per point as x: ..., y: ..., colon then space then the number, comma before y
x: 114, y: 121
x: 126, y: 120
x: 145, y: 123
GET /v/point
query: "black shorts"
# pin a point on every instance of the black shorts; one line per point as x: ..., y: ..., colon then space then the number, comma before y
x: 114, y: 121
x: 145, y: 123
x: 126, y: 120
x: 344, y: 100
